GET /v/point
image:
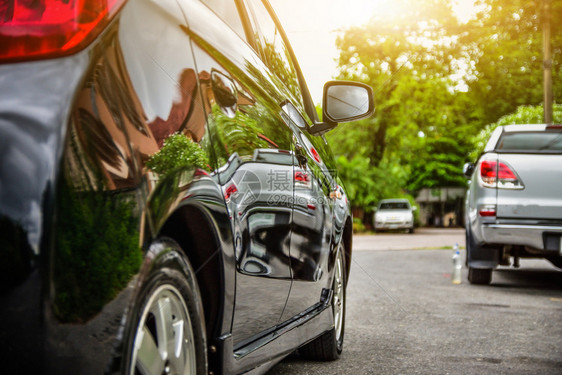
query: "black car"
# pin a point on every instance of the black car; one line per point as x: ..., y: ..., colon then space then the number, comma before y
x: 168, y: 203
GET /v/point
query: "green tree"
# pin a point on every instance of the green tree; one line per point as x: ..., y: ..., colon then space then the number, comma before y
x: 503, y: 48
x: 439, y: 164
x: 407, y: 58
x: 421, y: 127
x: 366, y: 185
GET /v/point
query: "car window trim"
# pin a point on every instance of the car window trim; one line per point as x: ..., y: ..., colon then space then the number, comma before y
x: 308, y: 103
x: 246, y: 23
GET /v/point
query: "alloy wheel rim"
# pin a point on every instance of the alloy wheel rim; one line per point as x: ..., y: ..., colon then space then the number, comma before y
x: 164, y: 341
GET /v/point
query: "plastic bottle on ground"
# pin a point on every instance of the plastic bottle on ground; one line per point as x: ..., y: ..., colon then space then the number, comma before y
x: 457, y: 266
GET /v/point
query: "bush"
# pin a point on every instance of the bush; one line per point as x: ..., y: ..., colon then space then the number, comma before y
x: 358, y: 226
x: 97, y: 251
x: 178, y: 151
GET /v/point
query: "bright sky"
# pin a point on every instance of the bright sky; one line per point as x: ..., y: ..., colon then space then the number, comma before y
x: 312, y: 27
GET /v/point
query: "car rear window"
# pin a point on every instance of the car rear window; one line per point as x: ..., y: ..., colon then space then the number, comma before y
x: 546, y: 142
x: 394, y: 206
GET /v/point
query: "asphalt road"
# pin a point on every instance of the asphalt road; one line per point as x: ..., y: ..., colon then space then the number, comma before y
x: 404, y: 316
x: 423, y: 238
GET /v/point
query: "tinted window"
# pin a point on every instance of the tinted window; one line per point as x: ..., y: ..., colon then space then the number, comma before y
x: 531, y: 141
x: 227, y: 11
x: 395, y: 206
x: 273, y: 48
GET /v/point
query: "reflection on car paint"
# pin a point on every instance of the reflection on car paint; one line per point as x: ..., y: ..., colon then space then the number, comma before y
x: 131, y: 144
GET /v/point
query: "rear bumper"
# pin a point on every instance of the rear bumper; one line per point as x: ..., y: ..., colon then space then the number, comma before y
x: 540, y: 237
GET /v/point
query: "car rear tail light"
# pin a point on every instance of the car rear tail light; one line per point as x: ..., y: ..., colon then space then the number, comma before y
x: 488, y: 210
x: 499, y: 174
x: 33, y: 29
x: 302, y: 180
x: 302, y: 176
x: 230, y: 191
x: 488, y: 172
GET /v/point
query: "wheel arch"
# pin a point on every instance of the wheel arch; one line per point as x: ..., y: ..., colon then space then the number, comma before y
x: 191, y: 227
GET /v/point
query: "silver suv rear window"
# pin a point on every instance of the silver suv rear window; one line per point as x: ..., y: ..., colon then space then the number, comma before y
x: 546, y: 142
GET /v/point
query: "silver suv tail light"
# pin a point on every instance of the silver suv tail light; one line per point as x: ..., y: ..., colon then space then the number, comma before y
x: 498, y: 174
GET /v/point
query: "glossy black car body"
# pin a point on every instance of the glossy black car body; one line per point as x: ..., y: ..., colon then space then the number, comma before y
x: 180, y: 144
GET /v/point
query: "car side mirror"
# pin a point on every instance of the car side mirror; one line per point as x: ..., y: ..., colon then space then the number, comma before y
x: 414, y: 208
x: 344, y: 101
x: 468, y: 169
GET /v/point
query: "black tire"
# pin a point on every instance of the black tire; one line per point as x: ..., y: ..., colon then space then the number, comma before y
x: 479, y: 276
x: 329, y: 346
x: 411, y: 230
x: 169, y: 303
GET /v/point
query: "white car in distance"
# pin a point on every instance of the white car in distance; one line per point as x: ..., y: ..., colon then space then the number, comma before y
x: 394, y: 214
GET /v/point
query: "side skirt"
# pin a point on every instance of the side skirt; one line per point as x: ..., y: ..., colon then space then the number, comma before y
x: 265, y: 351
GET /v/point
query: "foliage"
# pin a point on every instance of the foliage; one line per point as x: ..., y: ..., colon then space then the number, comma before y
x: 178, y: 151
x: 503, y: 47
x: 437, y: 84
x: 358, y: 226
x: 366, y: 185
x: 97, y: 251
x: 419, y: 134
x: 523, y: 115
x: 439, y: 163
x: 241, y: 133
x: 408, y: 64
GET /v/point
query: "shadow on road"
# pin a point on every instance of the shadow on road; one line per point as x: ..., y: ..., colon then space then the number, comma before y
x: 527, y: 279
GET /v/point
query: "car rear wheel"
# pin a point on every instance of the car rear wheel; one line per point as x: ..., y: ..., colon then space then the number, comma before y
x: 169, y: 335
x: 479, y: 276
x: 329, y: 346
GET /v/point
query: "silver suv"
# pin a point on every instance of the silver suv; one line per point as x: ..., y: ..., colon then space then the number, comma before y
x: 514, y: 201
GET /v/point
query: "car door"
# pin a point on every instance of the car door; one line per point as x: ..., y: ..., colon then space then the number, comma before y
x: 253, y: 161
x: 311, y: 229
